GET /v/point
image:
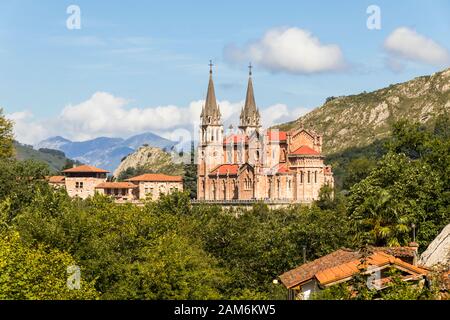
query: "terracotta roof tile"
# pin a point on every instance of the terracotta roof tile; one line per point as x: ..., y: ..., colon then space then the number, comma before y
x: 224, y: 169
x: 305, y: 150
x: 156, y: 177
x: 56, y: 179
x: 308, y: 270
x: 116, y: 185
x: 342, y: 264
x: 85, y: 169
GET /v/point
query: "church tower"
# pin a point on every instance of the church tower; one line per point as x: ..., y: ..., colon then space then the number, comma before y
x: 210, y: 149
x: 250, y: 120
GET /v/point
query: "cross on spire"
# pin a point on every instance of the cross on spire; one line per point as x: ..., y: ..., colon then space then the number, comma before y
x: 250, y: 68
x: 210, y: 66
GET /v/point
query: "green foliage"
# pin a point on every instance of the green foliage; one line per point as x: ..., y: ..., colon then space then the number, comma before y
x: 409, y: 185
x: 37, y: 273
x: 190, y: 175
x: 20, y: 181
x: 170, y: 249
x: 54, y: 159
x: 6, y: 137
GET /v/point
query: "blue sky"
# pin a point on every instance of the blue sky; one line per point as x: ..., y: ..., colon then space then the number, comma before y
x: 153, y: 57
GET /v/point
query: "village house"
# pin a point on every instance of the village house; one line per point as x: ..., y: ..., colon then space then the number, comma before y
x: 342, y: 265
x: 120, y: 191
x: 81, y: 181
x: 253, y: 164
x: 84, y: 181
x: 151, y: 185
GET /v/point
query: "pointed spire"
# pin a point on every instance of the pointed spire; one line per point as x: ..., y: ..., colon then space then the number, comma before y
x: 210, y: 113
x: 250, y: 116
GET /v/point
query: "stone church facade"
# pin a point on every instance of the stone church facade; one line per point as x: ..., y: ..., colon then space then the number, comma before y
x: 254, y: 164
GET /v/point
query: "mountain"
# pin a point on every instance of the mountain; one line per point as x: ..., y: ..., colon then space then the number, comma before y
x: 104, y: 152
x: 359, y: 120
x: 149, y: 160
x: 55, y: 159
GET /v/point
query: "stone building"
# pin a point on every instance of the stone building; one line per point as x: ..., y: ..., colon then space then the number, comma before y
x: 84, y: 181
x: 151, y: 185
x: 255, y: 164
x: 120, y: 191
x: 81, y: 181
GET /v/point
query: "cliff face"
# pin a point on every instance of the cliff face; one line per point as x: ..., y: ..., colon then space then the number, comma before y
x: 358, y: 120
x: 152, y: 159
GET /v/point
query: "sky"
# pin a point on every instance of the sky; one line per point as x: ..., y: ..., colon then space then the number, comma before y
x: 122, y: 68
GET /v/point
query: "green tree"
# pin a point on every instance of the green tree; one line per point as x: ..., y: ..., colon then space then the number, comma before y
x: 6, y: 137
x: 37, y: 273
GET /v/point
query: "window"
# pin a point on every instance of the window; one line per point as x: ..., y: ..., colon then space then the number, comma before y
x: 79, y: 185
x: 301, y: 177
x: 309, y: 177
x: 315, y: 176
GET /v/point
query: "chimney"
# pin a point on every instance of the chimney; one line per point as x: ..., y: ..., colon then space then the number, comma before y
x: 415, y: 247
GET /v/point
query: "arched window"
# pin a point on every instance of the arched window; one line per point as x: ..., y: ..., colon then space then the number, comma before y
x: 315, y: 176
x: 301, y: 176
x: 309, y: 176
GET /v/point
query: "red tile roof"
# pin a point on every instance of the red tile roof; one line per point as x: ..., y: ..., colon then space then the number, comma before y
x: 156, y: 177
x: 340, y: 265
x: 308, y: 270
x: 84, y: 169
x: 275, y: 135
x: 116, y: 185
x: 397, y: 252
x: 377, y: 259
x: 282, y: 168
x: 56, y: 179
x: 305, y: 150
x: 224, y: 169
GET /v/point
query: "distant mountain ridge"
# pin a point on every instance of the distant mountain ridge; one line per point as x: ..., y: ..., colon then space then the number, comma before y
x: 104, y: 152
x: 359, y: 120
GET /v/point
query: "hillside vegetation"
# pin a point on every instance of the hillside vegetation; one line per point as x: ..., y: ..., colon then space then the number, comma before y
x: 55, y: 159
x: 359, y: 120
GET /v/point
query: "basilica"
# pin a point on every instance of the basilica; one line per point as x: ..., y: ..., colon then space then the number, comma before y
x: 252, y: 164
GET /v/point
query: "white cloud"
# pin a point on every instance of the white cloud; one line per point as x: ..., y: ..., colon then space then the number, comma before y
x: 26, y: 128
x: 291, y: 50
x: 107, y: 115
x: 408, y: 44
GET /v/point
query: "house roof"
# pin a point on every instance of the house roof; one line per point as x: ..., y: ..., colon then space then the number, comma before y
x: 308, y: 270
x: 224, y: 169
x: 377, y: 259
x: 397, y: 252
x: 156, y: 177
x: 305, y: 150
x: 56, y: 179
x: 85, y: 169
x: 116, y: 185
x: 342, y: 264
